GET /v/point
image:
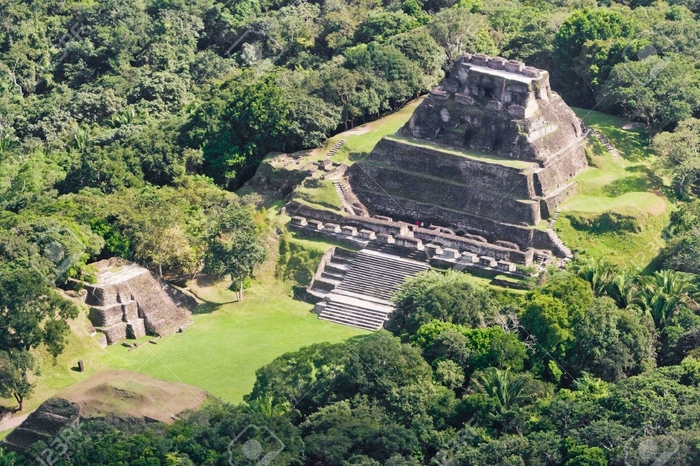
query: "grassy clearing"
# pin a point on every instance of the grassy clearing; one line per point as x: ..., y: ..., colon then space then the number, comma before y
x: 318, y: 193
x: 226, y: 344
x: 631, y: 139
x: 624, y: 189
x: 229, y: 341
x: 362, y: 139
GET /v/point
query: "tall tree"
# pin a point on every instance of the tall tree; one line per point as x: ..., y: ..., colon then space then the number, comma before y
x: 236, y: 245
x: 32, y: 313
x: 680, y: 154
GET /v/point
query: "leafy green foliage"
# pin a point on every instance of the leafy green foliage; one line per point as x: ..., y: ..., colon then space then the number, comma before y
x: 235, y: 245
x: 32, y: 314
x: 448, y: 297
x: 680, y: 154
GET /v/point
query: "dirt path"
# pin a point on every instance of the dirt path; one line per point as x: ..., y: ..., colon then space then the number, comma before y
x: 13, y: 422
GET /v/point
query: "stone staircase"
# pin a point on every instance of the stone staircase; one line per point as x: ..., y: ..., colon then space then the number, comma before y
x: 554, y: 218
x: 563, y: 250
x: 605, y: 142
x: 348, y: 199
x: 335, y: 148
x: 394, y: 250
x: 363, y: 287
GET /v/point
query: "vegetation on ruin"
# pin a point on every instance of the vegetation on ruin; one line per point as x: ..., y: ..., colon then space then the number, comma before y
x: 127, y: 125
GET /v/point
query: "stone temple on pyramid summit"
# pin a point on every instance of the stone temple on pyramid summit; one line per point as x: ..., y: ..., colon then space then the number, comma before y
x: 468, y: 182
x: 491, y: 151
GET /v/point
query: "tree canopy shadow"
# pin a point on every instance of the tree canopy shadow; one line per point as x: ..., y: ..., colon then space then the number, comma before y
x: 643, y: 179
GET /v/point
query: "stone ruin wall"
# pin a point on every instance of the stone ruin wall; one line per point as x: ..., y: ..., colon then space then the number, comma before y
x: 408, y: 211
x: 139, y: 305
x: 481, y: 107
x: 452, y: 167
x: 397, y: 185
x: 522, y: 255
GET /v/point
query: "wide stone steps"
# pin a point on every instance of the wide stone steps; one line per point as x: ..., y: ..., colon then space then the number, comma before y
x: 332, y: 276
x: 378, y: 275
x: 364, y: 316
x: 369, y: 278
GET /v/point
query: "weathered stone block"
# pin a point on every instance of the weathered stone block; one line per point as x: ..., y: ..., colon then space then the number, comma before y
x: 409, y: 242
x: 300, y: 221
x: 385, y: 238
x: 497, y: 63
x: 350, y: 231
x: 514, y: 66
x: 506, y: 266
x: 130, y: 310
x: 450, y: 253
x: 315, y: 224
x: 106, y: 316
x: 368, y: 234
x: 115, y: 333
x: 470, y: 258
x: 332, y: 227
x: 487, y: 261
x: 433, y: 250
x: 135, y: 329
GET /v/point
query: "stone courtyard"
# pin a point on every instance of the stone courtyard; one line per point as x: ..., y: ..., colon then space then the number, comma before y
x: 469, y: 183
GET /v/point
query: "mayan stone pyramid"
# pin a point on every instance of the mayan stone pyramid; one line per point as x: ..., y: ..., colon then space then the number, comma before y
x: 491, y: 151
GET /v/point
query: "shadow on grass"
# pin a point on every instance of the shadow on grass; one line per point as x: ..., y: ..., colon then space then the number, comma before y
x: 209, y: 308
x: 644, y: 179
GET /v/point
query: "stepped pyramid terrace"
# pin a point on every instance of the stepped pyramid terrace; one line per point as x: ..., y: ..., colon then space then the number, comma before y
x: 128, y: 301
x: 469, y: 182
x: 491, y: 151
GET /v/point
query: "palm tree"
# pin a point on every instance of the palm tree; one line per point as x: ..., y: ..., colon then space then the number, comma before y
x: 621, y: 287
x: 501, y: 385
x: 596, y: 387
x: 663, y: 295
x: 598, y: 273
x: 267, y: 406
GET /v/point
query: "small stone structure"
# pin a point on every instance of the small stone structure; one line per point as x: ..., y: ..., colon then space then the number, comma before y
x: 128, y: 301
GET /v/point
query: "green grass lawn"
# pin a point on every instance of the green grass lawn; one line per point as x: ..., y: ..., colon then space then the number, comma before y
x: 323, y: 195
x: 363, y: 138
x: 626, y: 186
x: 226, y: 344
x: 221, y: 351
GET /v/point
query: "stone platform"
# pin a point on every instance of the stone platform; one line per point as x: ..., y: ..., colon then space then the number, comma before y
x: 128, y: 301
x: 492, y: 151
